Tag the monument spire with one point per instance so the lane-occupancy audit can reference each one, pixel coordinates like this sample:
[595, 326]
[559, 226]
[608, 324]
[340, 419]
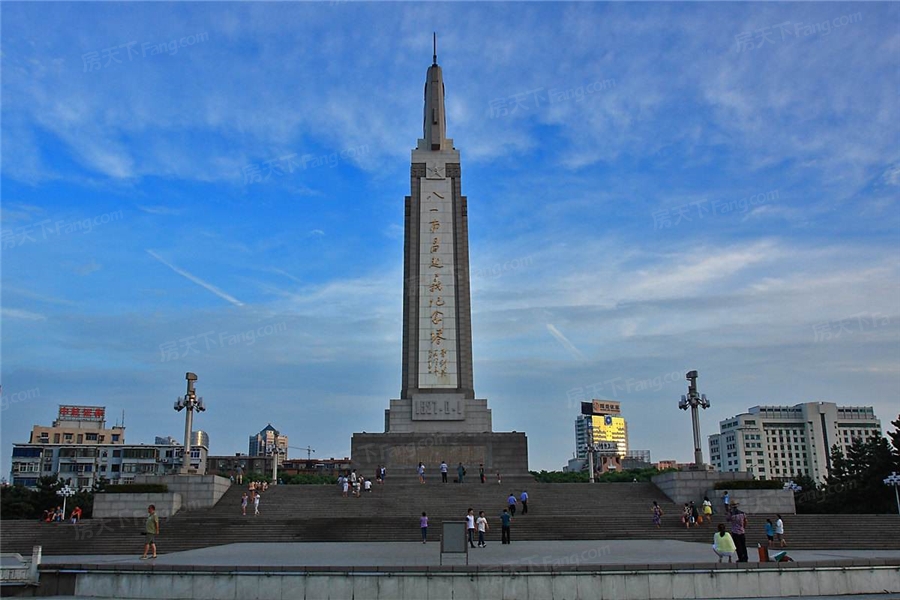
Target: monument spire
[435, 123]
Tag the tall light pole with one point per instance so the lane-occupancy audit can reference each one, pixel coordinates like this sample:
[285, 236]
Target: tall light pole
[275, 451]
[191, 402]
[693, 400]
[894, 480]
[66, 492]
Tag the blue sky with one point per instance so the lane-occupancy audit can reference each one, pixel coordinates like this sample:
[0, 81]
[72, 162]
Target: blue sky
[653, 188]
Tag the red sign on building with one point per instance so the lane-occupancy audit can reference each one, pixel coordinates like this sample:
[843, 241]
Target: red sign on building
[81, 413]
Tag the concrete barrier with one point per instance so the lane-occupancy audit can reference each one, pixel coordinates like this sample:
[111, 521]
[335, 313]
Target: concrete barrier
[135, 505]
[197, 491]
[637, 582]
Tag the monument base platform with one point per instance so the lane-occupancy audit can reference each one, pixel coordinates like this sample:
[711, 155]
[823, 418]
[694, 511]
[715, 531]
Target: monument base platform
[401, 453]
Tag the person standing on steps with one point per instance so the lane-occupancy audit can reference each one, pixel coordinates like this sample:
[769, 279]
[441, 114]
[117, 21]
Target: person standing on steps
[239, 475]
[423, 523]
[461, 472]
[738, 521]
[244, 504]
[151, 530]
[707, 509]
[481, 472]
[511, 501]
[726, 500]
[444, 469]
[770, 533]
[470, 526]
[256, 503]
[482, 529]
[657, 514]
[420, 470]
[505, 521]
[523, 498]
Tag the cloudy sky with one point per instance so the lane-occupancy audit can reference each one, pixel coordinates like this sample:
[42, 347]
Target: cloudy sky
[653, 188]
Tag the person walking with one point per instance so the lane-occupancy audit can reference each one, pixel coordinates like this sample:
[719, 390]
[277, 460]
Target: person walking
[511, 501]
[151, 530]
[738, 521]
[470, 526]
[505, 521]
[383, 473]
[421, 472]
[770, 533]
[461, 472]
[444, 472]
[239, 475]
[256, 496]
[779, 531]
[707, 510]
[686, 515]
[723, 544]
[345, 486]
[481, 472]
[726, 500]
[423, 524]
[695, 514]
[657, 514]
[76, 515]
[482, 529]
[523, 498]
[244, 504]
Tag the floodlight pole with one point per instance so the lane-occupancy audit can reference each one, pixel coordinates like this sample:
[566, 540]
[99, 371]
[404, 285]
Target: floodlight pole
[694, 401]
[191, 403]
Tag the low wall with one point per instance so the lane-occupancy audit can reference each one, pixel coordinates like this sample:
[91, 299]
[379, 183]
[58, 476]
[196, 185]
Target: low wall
[197, 491]
[684, 486]
[135, 505]
[776, 502]
[639, 582]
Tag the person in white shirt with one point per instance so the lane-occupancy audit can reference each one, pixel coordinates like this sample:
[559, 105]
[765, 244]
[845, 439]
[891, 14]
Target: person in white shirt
[368, 485]
[779, 531]
[482, 529]
[470, 526]
[444, 472]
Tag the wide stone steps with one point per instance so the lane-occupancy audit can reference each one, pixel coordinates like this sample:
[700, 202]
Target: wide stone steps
[391, 513]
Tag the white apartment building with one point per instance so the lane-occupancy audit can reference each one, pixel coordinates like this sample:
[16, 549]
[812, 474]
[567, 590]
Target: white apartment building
[777, 442]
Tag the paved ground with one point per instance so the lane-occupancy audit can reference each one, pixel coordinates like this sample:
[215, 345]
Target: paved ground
[375, 554]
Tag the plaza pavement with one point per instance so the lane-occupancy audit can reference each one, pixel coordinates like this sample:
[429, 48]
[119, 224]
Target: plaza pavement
[399, 554]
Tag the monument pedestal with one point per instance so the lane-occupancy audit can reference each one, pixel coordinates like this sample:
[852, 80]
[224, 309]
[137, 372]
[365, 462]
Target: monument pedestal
[401, 453]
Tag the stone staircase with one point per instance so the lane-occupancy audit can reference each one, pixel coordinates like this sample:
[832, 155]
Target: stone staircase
[391, 513]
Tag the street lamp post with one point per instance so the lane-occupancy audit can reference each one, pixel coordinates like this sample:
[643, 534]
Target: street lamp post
[66, 492]
[191, 402]
[694, 400]
[275, 451]
[894, 480]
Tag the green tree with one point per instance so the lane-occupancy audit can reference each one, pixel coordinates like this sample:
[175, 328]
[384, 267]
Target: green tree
[17, 502]
[895, 442]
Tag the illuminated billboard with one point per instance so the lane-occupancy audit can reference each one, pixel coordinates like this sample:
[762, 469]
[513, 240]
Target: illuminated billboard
[608, 428]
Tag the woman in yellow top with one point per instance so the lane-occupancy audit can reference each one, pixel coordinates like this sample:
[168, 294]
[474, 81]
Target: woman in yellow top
[723, 545]
[707, 509]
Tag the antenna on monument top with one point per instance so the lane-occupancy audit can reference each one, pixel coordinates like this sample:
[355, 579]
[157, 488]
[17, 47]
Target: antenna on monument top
[434, 57]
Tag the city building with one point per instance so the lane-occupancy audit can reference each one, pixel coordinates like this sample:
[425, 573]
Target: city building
[603, 419]
[201, 438]
[778, 442]
[637, 459]
[262, 443]
[85, 451]
[78, 425]
[226, 466]
[166, 441]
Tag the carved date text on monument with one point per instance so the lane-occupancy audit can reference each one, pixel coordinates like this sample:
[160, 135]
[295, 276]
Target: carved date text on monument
[438, 410]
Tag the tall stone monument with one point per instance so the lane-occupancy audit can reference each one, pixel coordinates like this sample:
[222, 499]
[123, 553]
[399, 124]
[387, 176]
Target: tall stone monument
[437, 416]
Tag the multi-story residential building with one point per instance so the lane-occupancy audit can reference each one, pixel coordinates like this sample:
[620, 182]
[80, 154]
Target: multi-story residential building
[262, 443]
[778, 442]
[83, 460]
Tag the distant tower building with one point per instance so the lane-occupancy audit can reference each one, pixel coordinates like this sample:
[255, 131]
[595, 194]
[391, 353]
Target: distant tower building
[606, 422]
[267, 438]
[200, 438]
[778, 442]
[166, 441]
